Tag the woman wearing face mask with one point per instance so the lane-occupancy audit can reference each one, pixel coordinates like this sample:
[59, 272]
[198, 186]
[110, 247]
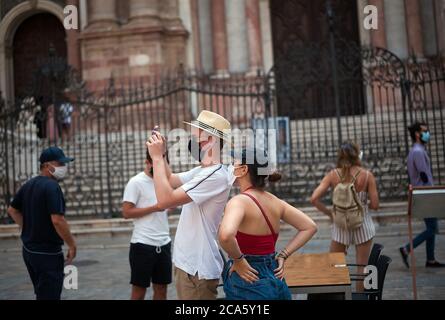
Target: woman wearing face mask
[349, 170]
[250, 229]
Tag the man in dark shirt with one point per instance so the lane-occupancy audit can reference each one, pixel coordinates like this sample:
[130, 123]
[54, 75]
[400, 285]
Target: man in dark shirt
[39, 209]
[420, 174]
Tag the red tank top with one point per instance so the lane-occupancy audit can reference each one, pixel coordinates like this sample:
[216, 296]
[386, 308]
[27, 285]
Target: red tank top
[257, 245]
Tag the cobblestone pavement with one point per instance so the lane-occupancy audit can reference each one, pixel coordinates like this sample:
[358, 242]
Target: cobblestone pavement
[104, 270]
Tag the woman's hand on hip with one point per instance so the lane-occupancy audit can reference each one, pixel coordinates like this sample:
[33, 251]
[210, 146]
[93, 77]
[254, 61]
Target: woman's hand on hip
[279, 271]
[244, 270]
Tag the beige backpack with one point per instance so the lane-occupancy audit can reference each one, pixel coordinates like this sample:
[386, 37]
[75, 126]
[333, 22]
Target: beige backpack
[348, 209]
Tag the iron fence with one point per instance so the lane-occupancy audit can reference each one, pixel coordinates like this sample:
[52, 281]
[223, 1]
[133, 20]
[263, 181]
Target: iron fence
[107, 130]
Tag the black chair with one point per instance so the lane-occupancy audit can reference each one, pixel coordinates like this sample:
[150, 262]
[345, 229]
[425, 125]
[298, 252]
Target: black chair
[375, 294]
[372, 261]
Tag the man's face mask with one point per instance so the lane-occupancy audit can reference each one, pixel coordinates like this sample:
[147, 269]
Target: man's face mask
[59, 172]
[196, 150]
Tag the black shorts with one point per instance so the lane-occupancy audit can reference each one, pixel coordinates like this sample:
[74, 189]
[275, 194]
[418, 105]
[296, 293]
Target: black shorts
[150, 264]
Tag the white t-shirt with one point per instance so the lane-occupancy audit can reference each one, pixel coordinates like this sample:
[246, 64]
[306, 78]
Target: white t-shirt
[196, 248]
[152, 229]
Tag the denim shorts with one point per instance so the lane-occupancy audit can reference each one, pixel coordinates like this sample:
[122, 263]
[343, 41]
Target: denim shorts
[268, 287]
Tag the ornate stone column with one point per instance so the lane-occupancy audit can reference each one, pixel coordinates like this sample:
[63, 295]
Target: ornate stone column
[170, 15]
[439, 11]
[254, 35]
[219, 37]
[378, 37]
[72, 39]
[144, 13]
[237, 44]
[266, 34]
[395, 25]
[414, 28]
[102, 15]
[194, 9]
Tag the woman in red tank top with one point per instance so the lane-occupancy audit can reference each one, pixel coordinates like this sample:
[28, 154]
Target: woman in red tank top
[249, 232]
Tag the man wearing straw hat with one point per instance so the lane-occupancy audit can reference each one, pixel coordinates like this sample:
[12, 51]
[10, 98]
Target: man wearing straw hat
[203, 193]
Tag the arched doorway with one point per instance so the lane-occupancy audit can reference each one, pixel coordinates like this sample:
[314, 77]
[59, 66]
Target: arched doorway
[31, 44]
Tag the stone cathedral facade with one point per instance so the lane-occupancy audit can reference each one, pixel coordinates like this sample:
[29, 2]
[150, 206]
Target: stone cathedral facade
[138, 38]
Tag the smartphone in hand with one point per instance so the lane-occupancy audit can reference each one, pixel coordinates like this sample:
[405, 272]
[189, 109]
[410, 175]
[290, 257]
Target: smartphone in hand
[155, 130]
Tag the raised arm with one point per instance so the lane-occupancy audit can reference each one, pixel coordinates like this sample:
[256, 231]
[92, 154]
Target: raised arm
[173, 179]
[168, 197]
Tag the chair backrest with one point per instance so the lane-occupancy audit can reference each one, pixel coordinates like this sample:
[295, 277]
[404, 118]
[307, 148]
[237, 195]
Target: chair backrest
[375, 254]
[382, 266]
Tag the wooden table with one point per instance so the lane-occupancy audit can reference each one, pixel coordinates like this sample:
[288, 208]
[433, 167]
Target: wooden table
[317, 273]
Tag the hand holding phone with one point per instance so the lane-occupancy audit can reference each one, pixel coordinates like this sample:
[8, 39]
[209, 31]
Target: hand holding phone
[155, 130]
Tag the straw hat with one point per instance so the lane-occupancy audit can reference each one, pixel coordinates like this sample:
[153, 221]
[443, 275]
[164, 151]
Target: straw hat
[212, 123]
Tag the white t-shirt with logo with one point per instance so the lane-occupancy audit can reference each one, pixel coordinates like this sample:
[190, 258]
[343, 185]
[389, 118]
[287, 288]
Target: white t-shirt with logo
[196, 248]
[152, 229]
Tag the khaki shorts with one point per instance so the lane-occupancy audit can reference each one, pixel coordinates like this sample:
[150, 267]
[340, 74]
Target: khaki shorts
[189, 287]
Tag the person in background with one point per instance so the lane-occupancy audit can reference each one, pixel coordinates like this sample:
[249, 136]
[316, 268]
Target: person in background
[150, 247]
[65, 111]
[249, 232]
[349, 170]
[420, 174]
[40, 118]
[39, 208]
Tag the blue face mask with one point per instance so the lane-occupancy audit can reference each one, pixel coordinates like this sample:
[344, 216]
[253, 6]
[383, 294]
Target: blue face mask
[425, 137]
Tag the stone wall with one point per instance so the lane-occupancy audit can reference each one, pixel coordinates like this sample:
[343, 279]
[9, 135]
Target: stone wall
[153, 38]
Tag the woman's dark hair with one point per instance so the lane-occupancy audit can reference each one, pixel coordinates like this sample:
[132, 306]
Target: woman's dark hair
[416, 127]
[249, 157]
[348, 156]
